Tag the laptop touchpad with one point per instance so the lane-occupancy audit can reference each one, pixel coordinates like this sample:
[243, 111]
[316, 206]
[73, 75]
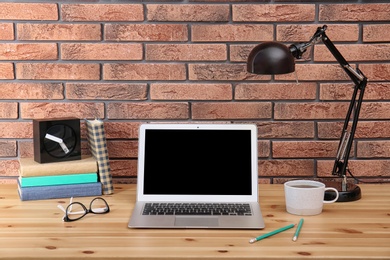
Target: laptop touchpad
[196, 222]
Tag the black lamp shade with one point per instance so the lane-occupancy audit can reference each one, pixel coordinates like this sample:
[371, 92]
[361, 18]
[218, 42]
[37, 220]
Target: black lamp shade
[270, 58]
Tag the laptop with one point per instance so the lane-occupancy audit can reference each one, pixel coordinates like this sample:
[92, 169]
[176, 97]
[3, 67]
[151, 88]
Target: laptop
[197, 176]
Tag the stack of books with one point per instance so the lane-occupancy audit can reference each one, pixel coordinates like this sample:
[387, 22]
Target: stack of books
[76, 178]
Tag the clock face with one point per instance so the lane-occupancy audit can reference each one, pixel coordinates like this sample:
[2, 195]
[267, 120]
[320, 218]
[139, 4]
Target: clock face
[56, 140]
[60, 140]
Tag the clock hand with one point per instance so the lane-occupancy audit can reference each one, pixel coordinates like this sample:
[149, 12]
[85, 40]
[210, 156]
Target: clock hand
[57, 140]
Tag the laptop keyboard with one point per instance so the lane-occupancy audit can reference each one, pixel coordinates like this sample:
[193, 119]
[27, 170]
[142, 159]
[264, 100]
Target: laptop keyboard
[236, 209]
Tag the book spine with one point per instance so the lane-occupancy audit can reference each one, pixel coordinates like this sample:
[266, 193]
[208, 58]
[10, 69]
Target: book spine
[98, 145]
[58, 179]
[29, 168]
[59, 191]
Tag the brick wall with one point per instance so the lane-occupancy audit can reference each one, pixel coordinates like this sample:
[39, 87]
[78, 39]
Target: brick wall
[129, 62]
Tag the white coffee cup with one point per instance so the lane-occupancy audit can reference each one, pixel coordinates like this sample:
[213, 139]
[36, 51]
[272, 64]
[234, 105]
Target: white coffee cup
[306, 197]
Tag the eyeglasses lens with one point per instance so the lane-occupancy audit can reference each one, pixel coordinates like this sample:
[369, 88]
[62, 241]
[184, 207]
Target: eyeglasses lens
[76, 211]
[99, 206]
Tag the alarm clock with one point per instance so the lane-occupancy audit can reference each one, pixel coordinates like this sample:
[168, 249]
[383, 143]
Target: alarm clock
[56, 140]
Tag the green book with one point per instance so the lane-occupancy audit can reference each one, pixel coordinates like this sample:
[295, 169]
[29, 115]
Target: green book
[58, 179]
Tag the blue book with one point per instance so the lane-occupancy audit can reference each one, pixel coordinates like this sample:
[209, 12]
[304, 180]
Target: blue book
[60, 191]
[58, 179]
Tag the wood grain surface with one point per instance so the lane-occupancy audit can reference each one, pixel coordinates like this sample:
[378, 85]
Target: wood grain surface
[352, 230]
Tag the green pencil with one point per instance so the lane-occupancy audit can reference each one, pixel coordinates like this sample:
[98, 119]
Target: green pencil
[295, 237]
[271, 233]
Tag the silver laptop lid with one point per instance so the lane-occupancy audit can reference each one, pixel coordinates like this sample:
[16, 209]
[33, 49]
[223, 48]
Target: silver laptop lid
[197, 162]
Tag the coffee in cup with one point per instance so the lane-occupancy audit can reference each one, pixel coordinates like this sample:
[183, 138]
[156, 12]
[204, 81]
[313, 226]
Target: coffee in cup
[306, 197]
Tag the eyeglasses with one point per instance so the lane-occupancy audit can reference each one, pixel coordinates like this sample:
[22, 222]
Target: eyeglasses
[76, 210]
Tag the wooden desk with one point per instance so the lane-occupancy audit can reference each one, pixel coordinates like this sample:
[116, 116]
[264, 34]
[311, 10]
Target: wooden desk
[353, 230]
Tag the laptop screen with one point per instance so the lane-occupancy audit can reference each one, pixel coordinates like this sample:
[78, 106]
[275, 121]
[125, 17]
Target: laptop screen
[203, 160]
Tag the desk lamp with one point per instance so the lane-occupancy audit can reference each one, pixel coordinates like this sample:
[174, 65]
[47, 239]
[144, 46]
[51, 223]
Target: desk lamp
[276, 58]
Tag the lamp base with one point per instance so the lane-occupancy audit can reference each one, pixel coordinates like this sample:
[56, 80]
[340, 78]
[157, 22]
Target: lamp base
[352, 193]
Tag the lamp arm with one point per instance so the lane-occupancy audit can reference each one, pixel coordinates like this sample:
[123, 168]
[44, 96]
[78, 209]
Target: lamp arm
[348, 133]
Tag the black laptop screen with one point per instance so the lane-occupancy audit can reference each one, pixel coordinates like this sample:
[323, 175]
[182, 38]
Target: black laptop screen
[197, 162]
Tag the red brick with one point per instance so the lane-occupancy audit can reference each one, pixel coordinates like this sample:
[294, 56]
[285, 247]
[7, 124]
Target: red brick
[109, 91]
[359, 168]
[186, 52]
[355, 52]
[286, 168]
[8, 110]
[28, 11]
[16, 130]
[232, 110]
[304, 149]
[373, 149]
[146, 32]
[157, 71]
[8, 180]
[148, 110]
[8, 148]
[354, 12]
[373, 91]
[330, 130]
[261, 180]
[375, 110]
[336, 91]
[28, 51]
[25, 149]
[58, 71]
[59, 32]
[231, 33]
[187, 12]
[275, 91]
[376, 72]
[273, 13]
[102, 12]
[369, 168]
[222, 72]
[121, 130]
[6, 31]
[6, 71]
[172, 91]
[263, 148]
[315, 72]
[374, 33]
[240, 53]
[304, 32]
[370, 129]
[190, 58]
[311, 111]
[101, 51]
[125, 179]
[286, 129]
[325, 167]
[365, 129]
[16, 90]
[373, 129]
[123, 168]
[9, 168]
[122, 149]
[56, 110]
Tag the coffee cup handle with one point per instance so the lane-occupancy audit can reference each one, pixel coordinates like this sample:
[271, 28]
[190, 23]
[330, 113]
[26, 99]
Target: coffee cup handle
[337, 195]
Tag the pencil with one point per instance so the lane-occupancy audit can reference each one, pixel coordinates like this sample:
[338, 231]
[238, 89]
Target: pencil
[295, 237]
[271, 233]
